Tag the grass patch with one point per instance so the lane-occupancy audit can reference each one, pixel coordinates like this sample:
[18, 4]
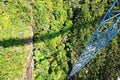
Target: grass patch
[14, 39]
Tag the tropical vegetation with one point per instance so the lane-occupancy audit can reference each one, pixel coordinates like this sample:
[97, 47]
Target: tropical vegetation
[61, 30]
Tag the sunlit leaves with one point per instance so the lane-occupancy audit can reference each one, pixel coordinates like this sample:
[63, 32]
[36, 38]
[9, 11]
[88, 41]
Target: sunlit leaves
[14, 19]
[61, 30]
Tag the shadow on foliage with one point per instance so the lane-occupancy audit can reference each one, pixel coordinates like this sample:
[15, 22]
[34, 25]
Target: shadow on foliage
[19, 42]
[48, 36]
[15, 42]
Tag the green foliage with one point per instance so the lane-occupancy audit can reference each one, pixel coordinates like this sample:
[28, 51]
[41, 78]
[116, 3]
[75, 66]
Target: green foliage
[48, 46]
[63, 34]
[14, 27]
[101, 67]
[61, 30]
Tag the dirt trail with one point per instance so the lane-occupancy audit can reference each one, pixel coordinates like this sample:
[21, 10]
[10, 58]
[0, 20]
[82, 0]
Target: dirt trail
[28, 75]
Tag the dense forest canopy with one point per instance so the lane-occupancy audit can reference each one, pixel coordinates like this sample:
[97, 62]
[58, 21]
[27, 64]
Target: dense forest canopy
[61, 30]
